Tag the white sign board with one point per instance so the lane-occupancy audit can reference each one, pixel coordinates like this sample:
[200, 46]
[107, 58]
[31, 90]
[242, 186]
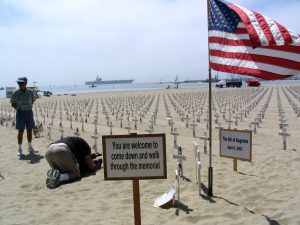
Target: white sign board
[236, 144]
[128, 157]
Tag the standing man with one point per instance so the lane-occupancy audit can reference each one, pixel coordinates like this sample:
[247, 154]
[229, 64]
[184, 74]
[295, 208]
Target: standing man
[69, 158]
[22, 101]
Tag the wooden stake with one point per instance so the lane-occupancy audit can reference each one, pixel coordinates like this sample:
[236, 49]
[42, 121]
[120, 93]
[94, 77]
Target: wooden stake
[235, 165]
[136, 201]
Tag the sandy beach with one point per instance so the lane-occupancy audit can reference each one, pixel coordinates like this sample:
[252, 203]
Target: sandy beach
[262, 192]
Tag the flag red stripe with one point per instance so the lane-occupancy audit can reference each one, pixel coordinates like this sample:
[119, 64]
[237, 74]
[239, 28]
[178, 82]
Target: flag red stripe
[251, 30]
[249, 72]
[265, 27]
[258, 58]
[247, 43]
[285, 48]
[285, 34]
[240, 30]
[230, 42]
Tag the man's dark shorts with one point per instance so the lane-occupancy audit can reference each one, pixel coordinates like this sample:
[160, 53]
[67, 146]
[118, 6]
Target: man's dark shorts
[24, 119]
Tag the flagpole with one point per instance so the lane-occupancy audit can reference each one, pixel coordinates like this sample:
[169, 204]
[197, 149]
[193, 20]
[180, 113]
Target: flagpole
[210, 168]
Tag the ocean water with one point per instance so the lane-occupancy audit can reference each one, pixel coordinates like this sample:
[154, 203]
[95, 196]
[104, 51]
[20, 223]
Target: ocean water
[119, 87]
[72, 89]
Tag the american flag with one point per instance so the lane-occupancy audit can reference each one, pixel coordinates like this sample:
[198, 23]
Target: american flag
[245, 42]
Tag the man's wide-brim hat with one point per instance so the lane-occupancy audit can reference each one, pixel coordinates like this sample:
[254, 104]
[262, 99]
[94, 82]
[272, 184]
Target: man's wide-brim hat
[22, 80]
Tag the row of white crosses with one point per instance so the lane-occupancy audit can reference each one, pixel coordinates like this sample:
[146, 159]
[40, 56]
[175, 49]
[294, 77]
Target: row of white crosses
[262, 111]
[179, 156]
[71, 106]
[292, 100]
[129, 107]
[235, 105]
[239, 109]
[74, 111]
[228, 107]
[258, 118]
[251, 106]
[181, 105]
[188, 106]
[7, 117]
[170, 119]
[151, 121]
[232, 111]
[282, 120]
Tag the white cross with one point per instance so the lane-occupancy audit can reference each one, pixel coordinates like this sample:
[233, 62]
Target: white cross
[175, 134]
[128, 127]
[110, 126]
[95, 137]
[82, 122]
[217, 118]
[204, 138]
[77, 132]
[71, 122]
[61, 130]
[284, 135]
[255, 123]
[150, 130]
[198, 166]
[236, 120]
[135, 122]
[49, 131]
[229, 121]
[96, 123]
[193, 125]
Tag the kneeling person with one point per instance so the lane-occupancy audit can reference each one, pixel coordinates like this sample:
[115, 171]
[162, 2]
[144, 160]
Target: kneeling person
[68, 158]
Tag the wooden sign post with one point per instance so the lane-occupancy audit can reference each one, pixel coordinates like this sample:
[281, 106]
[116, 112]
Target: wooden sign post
[134, 157]
[236, 144]
[136, 201]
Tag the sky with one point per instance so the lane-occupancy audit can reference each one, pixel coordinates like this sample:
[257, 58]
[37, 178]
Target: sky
[68, 42]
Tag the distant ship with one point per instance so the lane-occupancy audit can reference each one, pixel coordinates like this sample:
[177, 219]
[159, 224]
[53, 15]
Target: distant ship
[100, 81]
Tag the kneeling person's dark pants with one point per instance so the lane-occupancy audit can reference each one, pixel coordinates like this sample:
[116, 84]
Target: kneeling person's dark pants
[60, 157]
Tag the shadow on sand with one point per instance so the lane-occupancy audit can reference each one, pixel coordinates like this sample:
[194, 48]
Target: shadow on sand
[211, 200]
[32, 158]
[179, 206]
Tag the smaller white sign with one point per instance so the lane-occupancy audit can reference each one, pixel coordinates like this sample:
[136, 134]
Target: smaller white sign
[236, 144]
